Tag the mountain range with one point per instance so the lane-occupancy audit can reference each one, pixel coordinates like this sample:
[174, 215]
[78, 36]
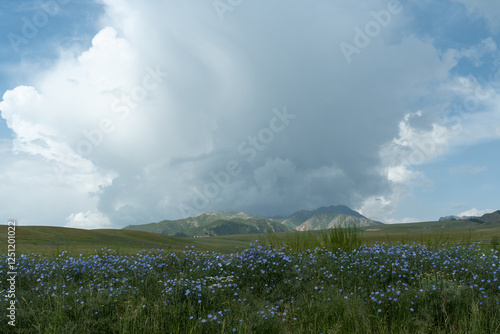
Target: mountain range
[232, 222]
[492, 217]
[455, 218]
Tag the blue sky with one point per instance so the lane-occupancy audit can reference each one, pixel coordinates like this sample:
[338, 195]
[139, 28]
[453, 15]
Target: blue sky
[69, 24]
[118, 112]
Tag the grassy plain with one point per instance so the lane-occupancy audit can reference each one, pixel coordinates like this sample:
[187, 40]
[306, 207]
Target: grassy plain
[436, 277]
[53, 240]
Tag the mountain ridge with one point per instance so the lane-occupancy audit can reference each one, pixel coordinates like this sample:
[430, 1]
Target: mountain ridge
[238, 222]
[453, 217]
[328, 220]
[491, 217]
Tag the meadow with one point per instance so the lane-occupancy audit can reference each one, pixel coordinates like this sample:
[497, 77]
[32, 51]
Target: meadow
[326, 282]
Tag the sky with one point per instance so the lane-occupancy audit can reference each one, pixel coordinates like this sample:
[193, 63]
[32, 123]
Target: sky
[118, 112]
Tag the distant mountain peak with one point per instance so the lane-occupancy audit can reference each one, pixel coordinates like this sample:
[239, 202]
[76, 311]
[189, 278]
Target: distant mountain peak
[238, 222]
[488, 217]
[327, 217]
[342, 209]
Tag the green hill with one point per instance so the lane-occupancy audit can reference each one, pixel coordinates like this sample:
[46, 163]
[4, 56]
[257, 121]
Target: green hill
[493, 217]
[41, 238]
[235, 226]
[53, 240]
[213, 224]
[233, 222]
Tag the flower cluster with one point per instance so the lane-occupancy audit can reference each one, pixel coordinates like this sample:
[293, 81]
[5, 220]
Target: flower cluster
[259, 284]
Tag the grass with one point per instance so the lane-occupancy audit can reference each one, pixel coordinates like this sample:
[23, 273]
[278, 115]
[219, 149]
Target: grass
[53, 240]
[430, 280]
[370, 289]
[346, 239]
[49, 240]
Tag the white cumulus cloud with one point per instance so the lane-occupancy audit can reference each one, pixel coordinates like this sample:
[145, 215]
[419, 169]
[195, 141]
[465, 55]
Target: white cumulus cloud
[88, 220]
[132, 129]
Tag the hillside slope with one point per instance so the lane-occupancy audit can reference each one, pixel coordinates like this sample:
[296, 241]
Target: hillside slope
[234, 226]
[328, 220]
[213, 224]
[234, 222]
[493, 217]
[327, 217]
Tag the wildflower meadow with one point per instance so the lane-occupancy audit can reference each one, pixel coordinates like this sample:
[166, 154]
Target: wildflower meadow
[381, 288]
